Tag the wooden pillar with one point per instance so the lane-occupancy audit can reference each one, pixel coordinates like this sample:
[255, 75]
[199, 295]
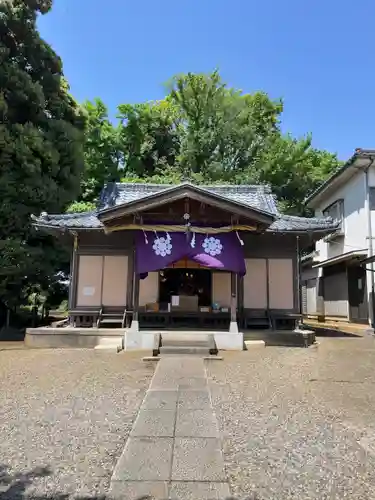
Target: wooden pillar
[73, 273]
[135, 296]
[135, 324]
[240, 294]
[233, 328]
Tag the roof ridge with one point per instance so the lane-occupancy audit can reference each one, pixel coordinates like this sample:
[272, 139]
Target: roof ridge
[260, 187]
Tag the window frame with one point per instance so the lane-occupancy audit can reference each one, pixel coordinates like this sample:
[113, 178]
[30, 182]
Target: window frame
[372, 198]
[340, 216]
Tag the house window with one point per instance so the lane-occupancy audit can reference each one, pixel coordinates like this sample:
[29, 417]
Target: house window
[336, 211]
[372, 198]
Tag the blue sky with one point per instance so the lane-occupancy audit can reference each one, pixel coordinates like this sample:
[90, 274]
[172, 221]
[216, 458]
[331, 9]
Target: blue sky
[317, 55]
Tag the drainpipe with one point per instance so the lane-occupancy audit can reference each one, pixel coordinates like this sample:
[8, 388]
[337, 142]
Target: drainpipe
[370, 244]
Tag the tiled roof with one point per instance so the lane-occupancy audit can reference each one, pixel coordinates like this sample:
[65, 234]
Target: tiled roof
[285, 223]
[282, 224]
[258, 197]
[79, 220]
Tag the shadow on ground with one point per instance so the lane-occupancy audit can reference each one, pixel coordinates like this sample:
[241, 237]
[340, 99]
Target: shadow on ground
[14, 486]
[324, 332]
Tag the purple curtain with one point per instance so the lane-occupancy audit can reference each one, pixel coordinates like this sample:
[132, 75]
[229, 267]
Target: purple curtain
[217, 251]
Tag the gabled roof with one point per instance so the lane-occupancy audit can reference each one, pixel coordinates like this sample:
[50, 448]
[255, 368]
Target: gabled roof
[361, 159]
[257, 198]
[250, 196]
[254, 203]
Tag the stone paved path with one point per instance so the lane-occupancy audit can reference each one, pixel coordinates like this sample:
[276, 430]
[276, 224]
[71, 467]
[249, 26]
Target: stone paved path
[173, 450]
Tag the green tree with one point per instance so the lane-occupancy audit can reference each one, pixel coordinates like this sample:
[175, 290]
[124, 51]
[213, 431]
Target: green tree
[224, 130]
[205, 132]
[41, 133]
[150, 135]
[102, 154]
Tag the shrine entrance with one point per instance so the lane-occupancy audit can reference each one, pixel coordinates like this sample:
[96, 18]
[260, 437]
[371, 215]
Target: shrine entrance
[195, 283]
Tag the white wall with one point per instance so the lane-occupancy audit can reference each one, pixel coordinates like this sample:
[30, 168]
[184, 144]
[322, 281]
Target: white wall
[354, 195]
[221, 288]
[90, 275]
[115, 280]
[149, 289]
[372, 184]
[255, 284]
[281, 290]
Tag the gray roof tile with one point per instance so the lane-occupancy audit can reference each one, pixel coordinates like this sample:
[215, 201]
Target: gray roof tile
[258, 197]
[282, 224]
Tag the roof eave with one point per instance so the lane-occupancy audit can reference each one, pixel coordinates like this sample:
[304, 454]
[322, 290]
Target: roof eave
[62, 229]
[366, 154]
[317, 232]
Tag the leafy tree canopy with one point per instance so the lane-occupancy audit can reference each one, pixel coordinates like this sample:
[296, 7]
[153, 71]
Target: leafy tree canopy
[206, 132]
[41, 132]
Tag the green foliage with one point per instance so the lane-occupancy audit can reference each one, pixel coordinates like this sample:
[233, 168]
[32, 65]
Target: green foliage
[41, 132]
[205, 132]
[102, 152]
[149, 136]
[224, 130]
[81, 206]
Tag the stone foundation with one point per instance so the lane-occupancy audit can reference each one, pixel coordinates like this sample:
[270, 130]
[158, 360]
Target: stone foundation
[89, 338]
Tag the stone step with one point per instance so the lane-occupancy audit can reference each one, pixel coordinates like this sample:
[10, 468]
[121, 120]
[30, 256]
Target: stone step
[109, 343]
[201, 351]
[184, 343]
[111, 320]
[188, 336]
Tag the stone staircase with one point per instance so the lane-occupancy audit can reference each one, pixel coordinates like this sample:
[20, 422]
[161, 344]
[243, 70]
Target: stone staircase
[186, 344]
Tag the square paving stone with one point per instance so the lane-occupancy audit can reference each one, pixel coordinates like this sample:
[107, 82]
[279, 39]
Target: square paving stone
[196, 423]
[198, 459]
[145, 459]
[160, 400]
[164, 382]
[195, 399]
[192, 383]
[158, 423]
[194, 490]
[134, 490]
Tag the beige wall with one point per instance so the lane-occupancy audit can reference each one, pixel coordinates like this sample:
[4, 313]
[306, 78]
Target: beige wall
[255, 284]
[221, 288]
[149, 289]
[102, 280]
[89, 286]
[281, 283]
[115, 280]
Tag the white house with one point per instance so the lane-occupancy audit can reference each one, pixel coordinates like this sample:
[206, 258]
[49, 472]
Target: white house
[338, 278]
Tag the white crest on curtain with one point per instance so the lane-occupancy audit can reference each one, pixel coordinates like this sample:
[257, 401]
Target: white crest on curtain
[162, 246]
[212, 246]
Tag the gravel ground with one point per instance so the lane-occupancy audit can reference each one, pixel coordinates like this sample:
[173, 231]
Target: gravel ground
[298, 423]
[65, 416]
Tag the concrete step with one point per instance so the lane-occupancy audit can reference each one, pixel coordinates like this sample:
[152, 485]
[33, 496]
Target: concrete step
[184, 343]
[254, 344]
[110, 322]
[201, 351]
[108, 348]
[109, 343]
